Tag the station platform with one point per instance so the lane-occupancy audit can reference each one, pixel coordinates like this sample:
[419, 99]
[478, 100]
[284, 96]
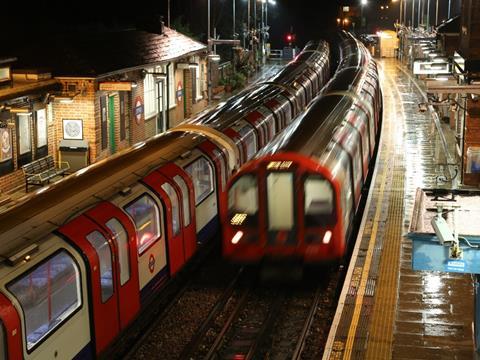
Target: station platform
[386, 310]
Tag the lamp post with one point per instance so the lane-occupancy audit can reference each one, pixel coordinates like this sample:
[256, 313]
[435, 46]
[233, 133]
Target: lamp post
[428, 14]
[209, 57]
[419, 11]
[168, 14]
[436, 14]
[362, 20]
[248, 23]
[400, 20]
[233, 9]
[449, 8]
[413, 14]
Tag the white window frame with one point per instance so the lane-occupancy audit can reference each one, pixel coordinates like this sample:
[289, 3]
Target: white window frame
[31, 346]
[172, 97]
[198, 80]
[150, 92]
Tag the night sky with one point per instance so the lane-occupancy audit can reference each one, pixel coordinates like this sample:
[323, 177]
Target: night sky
[307, 18]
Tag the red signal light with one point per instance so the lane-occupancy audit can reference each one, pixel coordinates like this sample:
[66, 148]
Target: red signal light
[289, 37]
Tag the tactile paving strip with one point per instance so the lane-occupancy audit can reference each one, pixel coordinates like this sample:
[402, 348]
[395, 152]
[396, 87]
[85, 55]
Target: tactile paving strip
[369, 325]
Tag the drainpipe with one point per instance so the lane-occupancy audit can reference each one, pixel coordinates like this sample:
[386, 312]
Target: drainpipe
[167, 120]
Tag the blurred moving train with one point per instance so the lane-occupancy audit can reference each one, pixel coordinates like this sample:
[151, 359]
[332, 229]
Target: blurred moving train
[297, 199]
[81, 258]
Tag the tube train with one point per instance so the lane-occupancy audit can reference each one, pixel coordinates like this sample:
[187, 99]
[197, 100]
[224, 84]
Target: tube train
[81, 258]
[297, 199]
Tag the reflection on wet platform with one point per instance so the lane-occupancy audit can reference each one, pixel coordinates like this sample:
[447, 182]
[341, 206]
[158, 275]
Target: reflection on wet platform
[387, 310]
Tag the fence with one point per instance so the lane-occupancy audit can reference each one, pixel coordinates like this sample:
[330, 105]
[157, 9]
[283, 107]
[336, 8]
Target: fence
[276, 54]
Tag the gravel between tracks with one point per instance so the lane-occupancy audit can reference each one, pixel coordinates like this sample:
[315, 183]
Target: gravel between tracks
[170, 335]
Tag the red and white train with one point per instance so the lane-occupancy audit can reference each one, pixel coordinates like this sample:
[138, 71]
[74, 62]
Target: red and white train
[81, 258]
[297, 199]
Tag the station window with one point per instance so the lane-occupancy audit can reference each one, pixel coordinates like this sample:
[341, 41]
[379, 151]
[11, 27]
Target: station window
[146, 217]
[3, 342]
[201, 172]
[243, 201]
[172, 195]
[185, 199]
[318, 201]
[24, 139]
[48, 295]
[121, 240]
[102, 248]
[280, 201]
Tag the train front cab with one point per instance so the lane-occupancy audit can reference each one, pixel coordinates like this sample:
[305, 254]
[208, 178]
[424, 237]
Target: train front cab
[44, 305]
[282, 209]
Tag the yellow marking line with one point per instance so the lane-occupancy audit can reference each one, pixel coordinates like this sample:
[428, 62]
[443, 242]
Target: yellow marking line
[333, 347]
[368, 259]
[380, 340]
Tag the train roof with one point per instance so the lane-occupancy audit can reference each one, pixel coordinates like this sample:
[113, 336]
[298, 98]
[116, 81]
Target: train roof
[313, 130]
[98, 181]
[236, 108]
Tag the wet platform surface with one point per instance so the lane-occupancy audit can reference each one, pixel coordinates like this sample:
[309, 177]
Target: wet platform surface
[386, 310]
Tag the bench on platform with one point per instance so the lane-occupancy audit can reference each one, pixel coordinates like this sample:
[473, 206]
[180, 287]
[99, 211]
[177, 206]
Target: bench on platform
[41, 171]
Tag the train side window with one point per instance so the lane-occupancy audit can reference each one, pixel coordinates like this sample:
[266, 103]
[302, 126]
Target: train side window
[271, 127]
[248, 136]
[201, 172]
[102, 248]
[243, 201]
[185, 199]
[121, 239]
[175, 210]
[280, 201]
[3, 342]
[318, 201]
[146, 217]
[48, 294]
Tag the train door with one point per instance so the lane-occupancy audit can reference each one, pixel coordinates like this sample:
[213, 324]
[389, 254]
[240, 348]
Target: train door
[203, 170]
[10, 331]
[143, 207]
[171, 200]
[122, 233]
[97, 248]
[184, 186]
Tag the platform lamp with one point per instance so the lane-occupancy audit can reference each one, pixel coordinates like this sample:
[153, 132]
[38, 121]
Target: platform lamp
[362, 19]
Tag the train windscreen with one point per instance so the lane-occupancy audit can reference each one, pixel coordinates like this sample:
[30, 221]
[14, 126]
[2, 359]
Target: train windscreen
[319, 204]
[280, 201]
[243, 201]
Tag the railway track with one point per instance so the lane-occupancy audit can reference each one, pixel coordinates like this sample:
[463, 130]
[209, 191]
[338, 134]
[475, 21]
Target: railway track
[253, 320]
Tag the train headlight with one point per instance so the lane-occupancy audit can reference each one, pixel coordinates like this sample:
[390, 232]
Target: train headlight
[236, 238]
[327, 237]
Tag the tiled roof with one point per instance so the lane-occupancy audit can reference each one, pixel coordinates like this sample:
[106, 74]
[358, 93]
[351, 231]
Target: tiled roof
[7, 60]
[98, 53]
[26, 88]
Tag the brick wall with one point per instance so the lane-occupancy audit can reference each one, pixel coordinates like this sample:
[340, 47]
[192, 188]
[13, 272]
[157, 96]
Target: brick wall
[177, 113]
[82, 107]
[188, 93]
[137, 125]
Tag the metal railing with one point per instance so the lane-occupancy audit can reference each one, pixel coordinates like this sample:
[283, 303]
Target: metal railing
[225, 69]
[276, 54]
